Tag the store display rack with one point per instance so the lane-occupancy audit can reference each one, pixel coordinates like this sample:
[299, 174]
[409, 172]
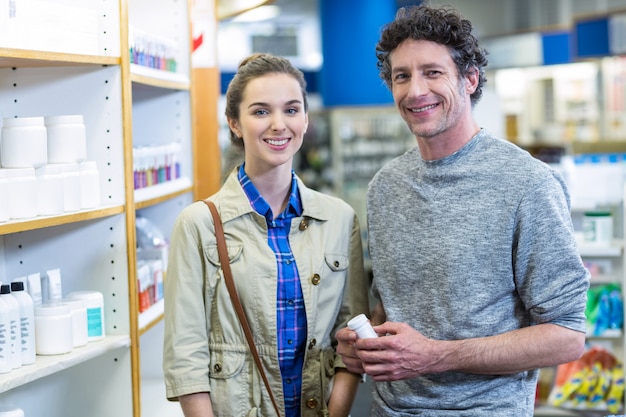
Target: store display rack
[62, 57]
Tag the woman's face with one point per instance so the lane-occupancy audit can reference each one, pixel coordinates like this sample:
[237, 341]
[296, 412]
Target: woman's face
[272, 122]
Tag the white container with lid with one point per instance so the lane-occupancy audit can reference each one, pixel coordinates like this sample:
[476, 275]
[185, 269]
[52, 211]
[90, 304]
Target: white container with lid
[94, 302]
[89, 185]
[5, 207]
[27, 318]
[79, 320]
[67, 141]
[5, 338]
[361, 325]
[15, 325]
[53, 329]
[598, 228]
[24, 142]
[50, 199]
[71, 186]
[22, 195]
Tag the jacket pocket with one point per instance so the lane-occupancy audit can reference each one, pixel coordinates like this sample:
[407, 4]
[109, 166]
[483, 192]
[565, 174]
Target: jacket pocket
[337, 261]
[229, 380]
[234, 253]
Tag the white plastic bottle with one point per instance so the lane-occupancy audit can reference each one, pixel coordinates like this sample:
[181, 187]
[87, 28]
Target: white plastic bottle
[361, 325]
[27, 319]
[14, 326]
[5, 338]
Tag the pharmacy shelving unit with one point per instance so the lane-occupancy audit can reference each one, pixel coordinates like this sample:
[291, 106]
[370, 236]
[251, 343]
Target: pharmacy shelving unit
[610, 262]
[44, 72]
[362, 140]
[72, 57]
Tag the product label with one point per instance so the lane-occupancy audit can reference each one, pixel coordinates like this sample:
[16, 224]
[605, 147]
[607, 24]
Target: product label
[25, 325]
[94, 322]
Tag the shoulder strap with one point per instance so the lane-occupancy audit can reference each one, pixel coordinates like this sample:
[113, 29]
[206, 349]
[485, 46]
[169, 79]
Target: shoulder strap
[230, 284]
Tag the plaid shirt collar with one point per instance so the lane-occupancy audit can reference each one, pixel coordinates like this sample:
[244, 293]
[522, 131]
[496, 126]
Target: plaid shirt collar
[294, 205]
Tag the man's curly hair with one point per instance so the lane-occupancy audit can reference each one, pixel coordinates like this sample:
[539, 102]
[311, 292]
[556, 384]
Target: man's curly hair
[444, 26]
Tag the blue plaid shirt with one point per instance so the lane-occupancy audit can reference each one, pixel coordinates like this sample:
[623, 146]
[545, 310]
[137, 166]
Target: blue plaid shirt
[290, 312]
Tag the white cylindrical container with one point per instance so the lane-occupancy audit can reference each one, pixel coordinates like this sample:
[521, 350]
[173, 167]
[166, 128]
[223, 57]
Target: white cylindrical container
[79, 320]
[71, 186]
[5, 207]
[94, 302]
[5, 338]
[50, 188]
[598, 228]
[361, 325]
[14, 325]
[89, 185]
[67, 141]
[24, 142]
[27, 318]
[53, 329]
[11, 412]
[22, 192]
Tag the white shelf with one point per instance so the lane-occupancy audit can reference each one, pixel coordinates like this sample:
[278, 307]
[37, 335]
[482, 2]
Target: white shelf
[48, 365]
[147, 75]
[161, 190]
[151, 315]
[614, 250]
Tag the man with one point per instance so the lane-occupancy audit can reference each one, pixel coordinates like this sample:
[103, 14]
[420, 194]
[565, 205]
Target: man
[474, 258]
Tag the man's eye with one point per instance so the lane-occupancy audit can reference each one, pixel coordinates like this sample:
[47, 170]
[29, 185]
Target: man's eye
[400, 77]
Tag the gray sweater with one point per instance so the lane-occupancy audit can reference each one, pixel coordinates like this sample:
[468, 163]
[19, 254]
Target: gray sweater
[476, 244]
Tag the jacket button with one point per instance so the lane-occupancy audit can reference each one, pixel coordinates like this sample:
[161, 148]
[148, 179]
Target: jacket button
[336, 263]
[311, 403]
[312, 343]
[304, 224]
[217, 367]
[315, 280]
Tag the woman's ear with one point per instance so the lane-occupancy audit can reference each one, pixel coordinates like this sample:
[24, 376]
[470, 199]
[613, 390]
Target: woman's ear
[234, 126]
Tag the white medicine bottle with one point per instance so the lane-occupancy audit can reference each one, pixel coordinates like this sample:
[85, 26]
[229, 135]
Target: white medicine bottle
[5, 338]
[27, 320]
[361, 325]
[14, 326]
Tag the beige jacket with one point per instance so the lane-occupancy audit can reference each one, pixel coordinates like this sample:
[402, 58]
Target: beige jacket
[205, 349]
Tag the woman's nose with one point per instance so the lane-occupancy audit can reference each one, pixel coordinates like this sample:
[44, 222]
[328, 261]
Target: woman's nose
[278, 124]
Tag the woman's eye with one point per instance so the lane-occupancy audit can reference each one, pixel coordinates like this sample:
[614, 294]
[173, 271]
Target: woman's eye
[292, 111]
[261, 112]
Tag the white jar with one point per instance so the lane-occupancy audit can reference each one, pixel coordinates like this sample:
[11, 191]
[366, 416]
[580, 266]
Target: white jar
[89, 185]
[94, 302]
[67, 141]
[79, 320]
[53, 329]
[598, 228]
[24, 142]
[22, 195]
[71, 186]
[5, 207]
[50, 199]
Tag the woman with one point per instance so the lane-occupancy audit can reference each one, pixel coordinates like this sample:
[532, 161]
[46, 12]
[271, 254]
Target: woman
[296, 259]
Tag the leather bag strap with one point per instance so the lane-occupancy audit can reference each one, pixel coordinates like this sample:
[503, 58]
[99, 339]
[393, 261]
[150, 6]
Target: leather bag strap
[230, 284]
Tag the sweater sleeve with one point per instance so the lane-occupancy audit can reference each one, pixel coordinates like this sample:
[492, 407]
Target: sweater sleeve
[549, 273]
